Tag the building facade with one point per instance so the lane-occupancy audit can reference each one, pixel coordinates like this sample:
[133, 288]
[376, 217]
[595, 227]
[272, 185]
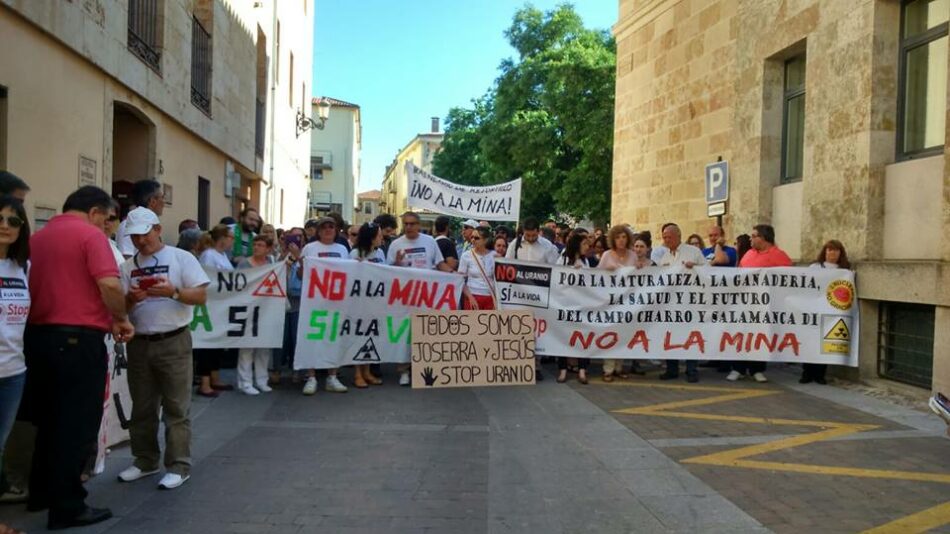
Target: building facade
[831, 116]
[420, 150]
[367, 206]
[335, 160]
[109, 92]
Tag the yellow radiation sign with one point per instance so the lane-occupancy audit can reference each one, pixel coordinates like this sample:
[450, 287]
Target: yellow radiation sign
[837, 336]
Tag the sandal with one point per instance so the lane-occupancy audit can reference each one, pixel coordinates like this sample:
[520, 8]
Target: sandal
[608, 378]
[582, 377]
[562, 377]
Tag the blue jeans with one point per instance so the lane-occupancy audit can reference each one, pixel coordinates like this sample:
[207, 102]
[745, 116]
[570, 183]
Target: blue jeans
[11, 389]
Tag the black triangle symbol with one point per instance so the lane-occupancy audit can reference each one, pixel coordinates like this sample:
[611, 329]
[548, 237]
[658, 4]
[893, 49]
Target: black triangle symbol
[367, 352]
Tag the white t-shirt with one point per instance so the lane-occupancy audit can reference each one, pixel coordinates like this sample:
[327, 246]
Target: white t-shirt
[684, 253]
[157, 315]
[541, 251]
[476, 281]
[422, 252]
[216, 260]
[119, 258]
[376, 256]
[15, 302]
[123, 240]
[825, 265]
[317, 249]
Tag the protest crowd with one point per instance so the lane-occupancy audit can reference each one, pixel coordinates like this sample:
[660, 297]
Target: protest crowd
[86, 276]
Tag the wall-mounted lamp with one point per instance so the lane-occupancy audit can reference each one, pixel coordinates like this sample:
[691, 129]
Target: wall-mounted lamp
[305, 123]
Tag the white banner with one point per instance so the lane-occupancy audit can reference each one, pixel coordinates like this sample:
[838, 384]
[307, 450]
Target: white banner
[117, 408]
[245, 309]
[499, 202]
[783, 314]
[358, 312]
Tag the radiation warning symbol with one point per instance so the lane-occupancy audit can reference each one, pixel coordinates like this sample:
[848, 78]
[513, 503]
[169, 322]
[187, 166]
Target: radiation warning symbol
[836, 337]
[367, 352]
[270, 287]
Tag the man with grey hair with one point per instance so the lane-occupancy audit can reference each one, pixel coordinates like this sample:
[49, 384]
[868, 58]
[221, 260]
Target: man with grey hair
[678, 253]
[146, 194]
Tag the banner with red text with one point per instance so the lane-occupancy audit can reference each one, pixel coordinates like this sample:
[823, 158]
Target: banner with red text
[358, 312]
[787, 314]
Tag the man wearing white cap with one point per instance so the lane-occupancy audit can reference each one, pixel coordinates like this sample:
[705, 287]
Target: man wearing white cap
[162, 286]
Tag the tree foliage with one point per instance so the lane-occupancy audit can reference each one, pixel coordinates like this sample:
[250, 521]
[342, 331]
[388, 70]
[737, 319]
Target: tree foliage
[547, 119]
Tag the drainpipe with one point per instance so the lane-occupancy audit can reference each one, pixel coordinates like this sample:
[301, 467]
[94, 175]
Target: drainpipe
[269, 194]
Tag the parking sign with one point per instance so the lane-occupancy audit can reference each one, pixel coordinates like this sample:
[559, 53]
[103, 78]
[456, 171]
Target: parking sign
[717, 182]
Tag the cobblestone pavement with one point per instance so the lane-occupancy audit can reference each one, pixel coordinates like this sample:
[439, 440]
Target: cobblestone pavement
[550, 458]
[796, 458]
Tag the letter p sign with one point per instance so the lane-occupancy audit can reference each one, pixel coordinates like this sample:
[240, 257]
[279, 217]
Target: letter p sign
[717, 182]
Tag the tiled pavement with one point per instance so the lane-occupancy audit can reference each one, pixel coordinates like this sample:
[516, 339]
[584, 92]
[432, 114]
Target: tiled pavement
[550, 458]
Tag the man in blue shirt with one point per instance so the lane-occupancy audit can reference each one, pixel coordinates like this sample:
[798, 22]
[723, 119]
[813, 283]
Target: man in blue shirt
[719, 254]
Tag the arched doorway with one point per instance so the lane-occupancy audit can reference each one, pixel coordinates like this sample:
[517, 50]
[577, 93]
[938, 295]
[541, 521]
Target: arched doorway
[133, 152]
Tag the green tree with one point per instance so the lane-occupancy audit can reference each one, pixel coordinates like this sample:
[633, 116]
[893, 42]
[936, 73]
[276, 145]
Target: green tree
[548, 119]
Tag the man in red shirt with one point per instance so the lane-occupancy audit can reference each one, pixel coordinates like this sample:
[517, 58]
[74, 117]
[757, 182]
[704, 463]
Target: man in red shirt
[77, 298]
[764, 253]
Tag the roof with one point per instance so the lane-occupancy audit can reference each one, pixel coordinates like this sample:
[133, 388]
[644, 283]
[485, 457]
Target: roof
[373, 194]
[334, 102]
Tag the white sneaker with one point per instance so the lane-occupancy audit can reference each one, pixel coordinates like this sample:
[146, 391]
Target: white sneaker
[733, 376]
[263, 387]
[172, 481]
[404, 379]
[311, 386]
[249, 390]
[760, 377]
[334, 385]
[131, 474]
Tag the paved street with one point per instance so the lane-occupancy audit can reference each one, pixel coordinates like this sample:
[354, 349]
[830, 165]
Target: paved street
[637, 455]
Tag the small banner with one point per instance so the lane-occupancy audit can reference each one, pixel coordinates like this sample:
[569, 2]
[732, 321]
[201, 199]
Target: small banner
[472, 348]
[786, 314]
[117, 405]
[358, 312]
[245, 309]
[500, 202]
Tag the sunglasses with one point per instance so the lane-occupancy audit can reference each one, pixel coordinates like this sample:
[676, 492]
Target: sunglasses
[353, 234]
[113, 218]
[12, 221]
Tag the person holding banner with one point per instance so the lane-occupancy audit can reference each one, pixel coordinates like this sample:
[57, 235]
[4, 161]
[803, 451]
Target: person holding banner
[369, 240]
[478, 267]
[620, 239]
[252, 363]
[163, 284]
[575, 255]
[675, 253]
[832, 256]
[325, 246]
[414, 249]
[763, 253]
[216, 242]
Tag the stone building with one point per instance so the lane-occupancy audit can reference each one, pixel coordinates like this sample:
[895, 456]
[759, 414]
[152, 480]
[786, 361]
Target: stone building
[421, 150]
[831, 115]
[201, 95]
[335, 159]
[367, 207]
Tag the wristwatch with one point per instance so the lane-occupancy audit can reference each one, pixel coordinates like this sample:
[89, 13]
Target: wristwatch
[176, 294]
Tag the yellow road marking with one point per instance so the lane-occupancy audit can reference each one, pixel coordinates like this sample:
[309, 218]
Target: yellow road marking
[923, 521]
[740, 457]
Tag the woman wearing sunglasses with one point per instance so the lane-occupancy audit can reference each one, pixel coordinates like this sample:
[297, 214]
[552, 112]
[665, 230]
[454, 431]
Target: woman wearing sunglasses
[15, 300]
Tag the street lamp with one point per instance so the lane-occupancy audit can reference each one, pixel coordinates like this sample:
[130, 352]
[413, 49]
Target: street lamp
[305, 123]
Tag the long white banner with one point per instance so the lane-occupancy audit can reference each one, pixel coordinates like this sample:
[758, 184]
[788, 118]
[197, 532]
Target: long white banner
[245, 309]
[709, 313]
[500, 202]
[358, 312]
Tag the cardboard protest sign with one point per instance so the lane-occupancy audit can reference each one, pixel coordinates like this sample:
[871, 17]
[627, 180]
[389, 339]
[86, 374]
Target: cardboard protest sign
[783, 314]
[358, 312]
[245, 309]
[472, 348]
[499, 202]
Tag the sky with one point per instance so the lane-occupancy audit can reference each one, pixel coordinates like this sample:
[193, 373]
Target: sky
[405, 61]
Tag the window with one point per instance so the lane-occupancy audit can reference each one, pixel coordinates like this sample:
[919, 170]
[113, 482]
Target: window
[3, 127]
[200, 66]
[204, 203]
[145, 31]
[368, 208]
[906, 343]
[922, 91]
[290, 86]
[793, 119]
